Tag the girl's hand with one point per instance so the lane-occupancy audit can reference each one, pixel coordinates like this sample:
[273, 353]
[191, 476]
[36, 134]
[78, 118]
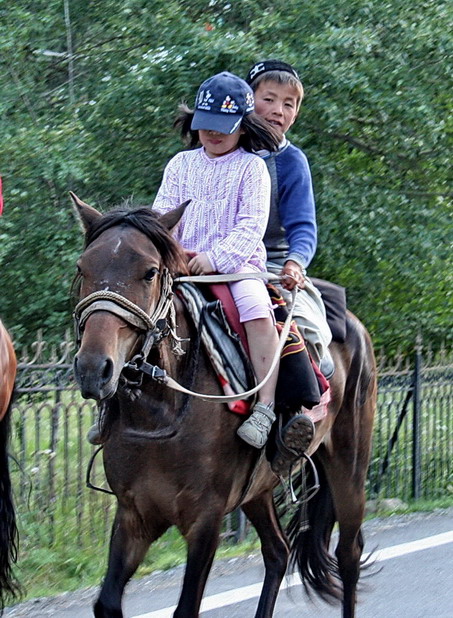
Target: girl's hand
[189, 254]
[200, 265]
[292, 275]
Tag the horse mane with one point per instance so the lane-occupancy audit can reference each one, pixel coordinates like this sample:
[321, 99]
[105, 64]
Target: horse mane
[146, 221]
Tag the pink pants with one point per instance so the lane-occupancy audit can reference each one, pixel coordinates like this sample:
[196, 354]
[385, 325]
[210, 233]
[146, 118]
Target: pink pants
[251, 298]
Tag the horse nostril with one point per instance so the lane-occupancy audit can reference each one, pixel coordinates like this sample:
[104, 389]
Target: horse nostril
[108, 371]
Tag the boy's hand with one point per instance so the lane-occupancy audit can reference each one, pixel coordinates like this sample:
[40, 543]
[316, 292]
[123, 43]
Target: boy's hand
[200, 265]
[292, 275]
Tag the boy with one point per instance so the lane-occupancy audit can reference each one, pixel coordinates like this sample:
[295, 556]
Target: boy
[291, 235]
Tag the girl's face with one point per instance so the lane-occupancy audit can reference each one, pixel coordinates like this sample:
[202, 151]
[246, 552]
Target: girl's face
[219, 144]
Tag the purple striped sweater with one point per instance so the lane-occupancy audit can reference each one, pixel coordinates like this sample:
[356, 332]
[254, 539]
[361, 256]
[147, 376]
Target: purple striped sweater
[228, 214]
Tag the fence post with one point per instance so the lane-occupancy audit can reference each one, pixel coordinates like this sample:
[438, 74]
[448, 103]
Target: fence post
[416, 419]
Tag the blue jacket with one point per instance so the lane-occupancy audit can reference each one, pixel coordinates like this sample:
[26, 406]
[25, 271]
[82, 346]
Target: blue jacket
[291, 232]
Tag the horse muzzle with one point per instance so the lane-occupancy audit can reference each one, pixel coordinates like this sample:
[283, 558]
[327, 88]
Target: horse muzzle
[106, 344]
[94, 375]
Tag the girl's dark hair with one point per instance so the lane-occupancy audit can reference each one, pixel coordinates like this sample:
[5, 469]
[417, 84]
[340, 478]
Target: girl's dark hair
[258, 134]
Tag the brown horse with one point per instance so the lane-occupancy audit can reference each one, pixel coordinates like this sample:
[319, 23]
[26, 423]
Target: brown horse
[8, 530]
[172, 459]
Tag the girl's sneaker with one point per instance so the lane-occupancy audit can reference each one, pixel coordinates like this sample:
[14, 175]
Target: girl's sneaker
[255, 430]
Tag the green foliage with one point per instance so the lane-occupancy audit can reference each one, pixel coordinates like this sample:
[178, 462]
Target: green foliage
[374, 126]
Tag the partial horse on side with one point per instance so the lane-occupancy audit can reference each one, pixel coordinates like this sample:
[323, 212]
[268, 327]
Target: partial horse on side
[8, 529]
[173, 459]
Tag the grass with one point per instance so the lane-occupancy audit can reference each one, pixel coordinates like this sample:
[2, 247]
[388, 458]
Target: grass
[413, 506]
[49, 571]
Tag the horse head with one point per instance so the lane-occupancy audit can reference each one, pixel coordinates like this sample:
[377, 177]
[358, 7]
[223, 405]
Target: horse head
[128, 254]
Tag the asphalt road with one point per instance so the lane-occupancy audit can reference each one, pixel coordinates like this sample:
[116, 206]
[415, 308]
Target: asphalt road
[412, 577]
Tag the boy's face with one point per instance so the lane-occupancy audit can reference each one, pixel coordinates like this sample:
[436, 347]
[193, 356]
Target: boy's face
[278, 104]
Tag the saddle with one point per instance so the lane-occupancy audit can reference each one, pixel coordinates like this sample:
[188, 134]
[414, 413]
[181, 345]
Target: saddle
[222, 344]
[299, 384]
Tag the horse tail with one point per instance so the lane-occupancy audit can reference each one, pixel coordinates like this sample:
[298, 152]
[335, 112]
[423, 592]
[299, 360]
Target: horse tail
[9, 538]
[309, 544]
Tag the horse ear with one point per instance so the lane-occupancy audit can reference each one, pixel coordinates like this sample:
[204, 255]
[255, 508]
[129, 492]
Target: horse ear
[86, 214]
[171, 219]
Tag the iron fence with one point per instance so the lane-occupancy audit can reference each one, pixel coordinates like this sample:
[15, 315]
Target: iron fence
[413, 446]
[411, 456]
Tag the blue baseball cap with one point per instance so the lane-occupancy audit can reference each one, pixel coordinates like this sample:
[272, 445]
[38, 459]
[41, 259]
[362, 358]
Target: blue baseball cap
[221, 103]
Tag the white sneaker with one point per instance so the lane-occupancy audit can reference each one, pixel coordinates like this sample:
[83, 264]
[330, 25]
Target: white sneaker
[255, 430]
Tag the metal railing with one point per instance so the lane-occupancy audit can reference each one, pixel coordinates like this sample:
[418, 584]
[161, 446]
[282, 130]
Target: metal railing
[411, 458]
[412, 443]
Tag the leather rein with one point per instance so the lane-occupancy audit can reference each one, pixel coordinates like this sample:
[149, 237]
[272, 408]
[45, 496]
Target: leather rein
[162, 323]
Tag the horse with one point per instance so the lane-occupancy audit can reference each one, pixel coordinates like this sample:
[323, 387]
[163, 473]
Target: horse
[8, 528]
[175, 460]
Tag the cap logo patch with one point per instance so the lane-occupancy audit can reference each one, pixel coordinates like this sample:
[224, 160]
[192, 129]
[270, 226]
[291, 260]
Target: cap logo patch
[229, 105]
[256, 69]
[205, 99]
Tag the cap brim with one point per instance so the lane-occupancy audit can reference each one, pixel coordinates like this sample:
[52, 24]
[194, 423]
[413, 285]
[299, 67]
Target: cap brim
[211, 121]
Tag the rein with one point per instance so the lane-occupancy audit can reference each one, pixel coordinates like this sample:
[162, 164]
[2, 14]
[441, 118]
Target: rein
[162, 323]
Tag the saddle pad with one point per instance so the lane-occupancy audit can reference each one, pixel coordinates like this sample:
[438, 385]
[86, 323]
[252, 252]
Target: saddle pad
[222, 345]
[222, 292]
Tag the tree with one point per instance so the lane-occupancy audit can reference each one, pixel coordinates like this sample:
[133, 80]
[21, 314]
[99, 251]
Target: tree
[98, 121]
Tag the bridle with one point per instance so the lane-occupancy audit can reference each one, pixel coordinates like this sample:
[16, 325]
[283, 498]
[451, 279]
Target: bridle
[157, 326]
[162, 323]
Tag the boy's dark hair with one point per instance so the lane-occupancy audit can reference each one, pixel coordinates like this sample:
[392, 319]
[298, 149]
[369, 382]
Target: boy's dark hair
[258, 134]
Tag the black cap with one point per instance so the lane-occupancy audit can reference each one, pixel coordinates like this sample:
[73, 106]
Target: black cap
[269, 65]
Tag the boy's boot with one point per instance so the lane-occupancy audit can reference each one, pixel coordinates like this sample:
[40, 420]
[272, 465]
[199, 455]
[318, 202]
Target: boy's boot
[94, 435]
[255, 430]
[292, 441]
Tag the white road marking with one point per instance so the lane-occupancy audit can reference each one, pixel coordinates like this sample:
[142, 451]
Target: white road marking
[245, 593]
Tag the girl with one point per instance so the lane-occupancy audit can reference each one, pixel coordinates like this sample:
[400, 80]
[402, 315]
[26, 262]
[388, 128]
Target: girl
[223, 226]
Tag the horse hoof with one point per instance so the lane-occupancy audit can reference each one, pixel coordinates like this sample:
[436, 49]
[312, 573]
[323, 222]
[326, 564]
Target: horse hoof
[292, 442]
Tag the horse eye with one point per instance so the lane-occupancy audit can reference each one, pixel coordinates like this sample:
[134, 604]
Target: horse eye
[150, 274]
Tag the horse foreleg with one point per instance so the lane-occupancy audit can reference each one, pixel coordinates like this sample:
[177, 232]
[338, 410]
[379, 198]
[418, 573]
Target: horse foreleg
[274, 548]
[128, 546]
[202, 540]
